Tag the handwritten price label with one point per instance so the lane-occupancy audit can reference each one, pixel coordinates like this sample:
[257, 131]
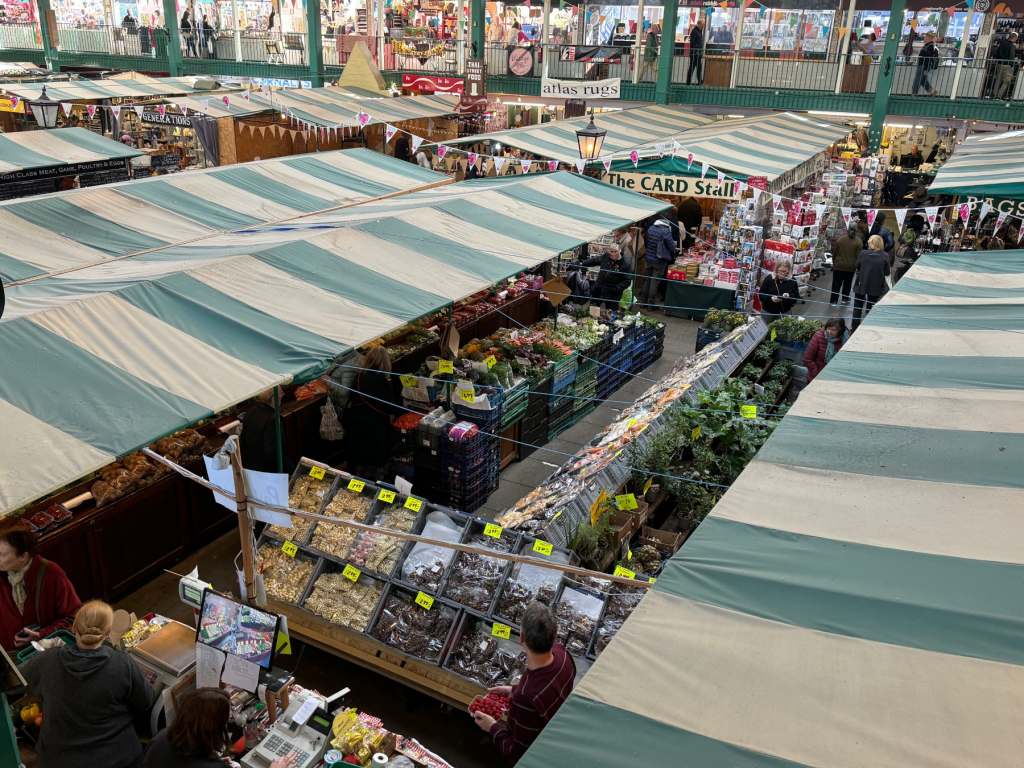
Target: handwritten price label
[407, 380]
[425, 601]
[748, 411]
[492, 530]
[317, 473]
[624, 573]
[351, 573]
[542, 547]
[651, 580]
[503, 631]
[356, 486]
[445, 366]
[414, 505]
[467, 395]
[388, 497]
[490, 361]
[626, 501]
[290, 548]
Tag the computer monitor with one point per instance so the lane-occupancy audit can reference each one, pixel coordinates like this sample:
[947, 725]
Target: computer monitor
[238, 629]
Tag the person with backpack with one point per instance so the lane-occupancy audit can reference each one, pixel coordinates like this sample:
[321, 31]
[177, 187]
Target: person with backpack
[927, 61]
[661, 249]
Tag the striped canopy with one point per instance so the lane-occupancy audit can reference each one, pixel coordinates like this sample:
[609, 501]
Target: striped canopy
[855, 598]
[331, 107]
[113, 354]
[91, 90]
[989, 164]
[213, 105]
[627, 129]
[24, 150]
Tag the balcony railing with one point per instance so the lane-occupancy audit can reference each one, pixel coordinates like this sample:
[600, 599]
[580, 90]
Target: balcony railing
[114, 41]
[21, 36]
[248, 46]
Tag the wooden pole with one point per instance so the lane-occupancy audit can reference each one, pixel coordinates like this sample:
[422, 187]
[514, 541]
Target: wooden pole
[245, 531]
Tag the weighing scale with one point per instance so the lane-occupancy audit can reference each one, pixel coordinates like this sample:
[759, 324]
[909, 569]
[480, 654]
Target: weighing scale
[166, 658]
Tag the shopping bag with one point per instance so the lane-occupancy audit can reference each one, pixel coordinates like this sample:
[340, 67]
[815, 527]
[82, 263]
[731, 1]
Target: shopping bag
[330, 425]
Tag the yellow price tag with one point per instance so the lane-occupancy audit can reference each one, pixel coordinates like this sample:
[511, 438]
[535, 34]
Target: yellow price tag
[317, 473]
[696, 433]
[629, 553]
[423, 600]
[647, 485]
[651, 580]
[413, 504]
[407, 380]
[597, 507]
[491, 361]
[632, 423]
[626, 501]
[774, 334]
[542, 547]
[748, 411]
[445, 366]
[388, 497]
[501, 630]
[624, 573]
[467, 395]
[493, 530]
[356, 486]
[351, 573]
[290, 548]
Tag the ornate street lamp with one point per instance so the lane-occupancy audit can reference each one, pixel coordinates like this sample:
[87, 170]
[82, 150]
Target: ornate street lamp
[44, 110]
[590, 139]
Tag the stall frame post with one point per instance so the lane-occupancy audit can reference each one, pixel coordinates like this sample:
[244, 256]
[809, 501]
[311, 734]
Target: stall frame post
[460, 36]
[476, 25]
[545, 35]
[245, 530]
[880, 108]
[238, 30]
[173, 38]
[963, 52]
[380, 33]
[50, 53]
[314, 44]
[844, 46]
[738, 45]
[638, 45]
[667, 52]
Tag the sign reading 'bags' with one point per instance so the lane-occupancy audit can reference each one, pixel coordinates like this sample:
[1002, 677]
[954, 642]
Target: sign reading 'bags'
[580, 89]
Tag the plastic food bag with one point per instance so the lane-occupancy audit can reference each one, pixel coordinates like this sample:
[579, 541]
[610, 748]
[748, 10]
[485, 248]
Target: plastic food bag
[426, 563]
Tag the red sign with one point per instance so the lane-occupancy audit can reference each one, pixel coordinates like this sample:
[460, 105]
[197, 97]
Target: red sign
[758, 182]
[432, 84]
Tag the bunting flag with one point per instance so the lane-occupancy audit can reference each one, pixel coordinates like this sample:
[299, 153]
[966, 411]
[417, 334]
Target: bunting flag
[245, 95]
[872, 213]
[901, 215]
[66, 107]
[363, 118]
[1000, 220]
[472, 157]
[499, 164]
[442, 150]
[757, 194]
[776, 201]
[819, 212]
[525, 165]
[607, 162]
[676, 146]
[90, 110]
[552, 165]
[206, 104]
[847, 213]
[703, 170]
[416, 141]
[689, 160]
[161, 109]
[635, 157]
[932, 212]
[985, 208]
[741, 188]
[116, 112]
[15, 101]
[580, 165]
[389, 133]
[721, 177]
[226, 100]
[965, 212]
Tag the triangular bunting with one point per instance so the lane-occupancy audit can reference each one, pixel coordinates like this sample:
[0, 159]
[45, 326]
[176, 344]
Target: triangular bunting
[389, 133]
[932, 212]
[901, 216]
[116, 112]
[90, 109]
[580, 165]
[1000, 220]
[703, 170]
[720, 176]
[66, 106]
[986, 207]
[689, 160]
[965, 212]
[847, 213]
[776, 201]
[499, 164]
[872, 213]
[525, 164]
[472, 157]
[552, 165]
[634, 156]
[416, 141]
[607, 163]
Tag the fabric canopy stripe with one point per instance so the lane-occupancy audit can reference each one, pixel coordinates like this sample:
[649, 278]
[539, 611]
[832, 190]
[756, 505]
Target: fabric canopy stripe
[852, 600]
[189, 328]
[627, 129]
[331, 107]
[984, 165]
[92, 90]
[25, 150]
[213, 105]
[95, 224]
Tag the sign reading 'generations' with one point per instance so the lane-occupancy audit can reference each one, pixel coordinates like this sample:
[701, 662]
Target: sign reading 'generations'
[580, 89]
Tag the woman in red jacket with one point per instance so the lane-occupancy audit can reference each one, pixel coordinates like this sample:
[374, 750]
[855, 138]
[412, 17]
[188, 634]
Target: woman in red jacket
[823, 345]
[36, 597]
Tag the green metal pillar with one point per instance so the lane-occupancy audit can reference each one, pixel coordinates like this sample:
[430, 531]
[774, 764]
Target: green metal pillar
[314, 43]
[887, 68]
[667, 51]
[173, 38]
[277, 429]
[49, 51]
[477, 27]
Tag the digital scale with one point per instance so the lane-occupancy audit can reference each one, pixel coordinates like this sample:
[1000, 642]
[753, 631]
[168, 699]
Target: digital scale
[305, 728]
[165, 658]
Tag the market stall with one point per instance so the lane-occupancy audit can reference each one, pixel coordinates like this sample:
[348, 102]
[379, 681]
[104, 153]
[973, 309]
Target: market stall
[135, 87]
[985, 165]
[896, 582]
[331, 107]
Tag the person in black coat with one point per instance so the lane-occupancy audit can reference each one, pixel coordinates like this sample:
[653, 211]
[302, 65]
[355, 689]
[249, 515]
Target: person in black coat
[660, 249]
[259, 437]
[696, 52]
[375, 399]
[779, 292]
[614, 277]
[869, 279]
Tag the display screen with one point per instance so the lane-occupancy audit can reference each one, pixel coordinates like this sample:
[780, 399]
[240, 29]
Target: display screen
[238, 629]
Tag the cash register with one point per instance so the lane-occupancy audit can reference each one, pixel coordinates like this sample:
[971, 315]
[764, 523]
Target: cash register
[304, 729]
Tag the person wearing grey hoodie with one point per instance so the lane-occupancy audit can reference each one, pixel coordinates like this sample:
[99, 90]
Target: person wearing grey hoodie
[91, 695]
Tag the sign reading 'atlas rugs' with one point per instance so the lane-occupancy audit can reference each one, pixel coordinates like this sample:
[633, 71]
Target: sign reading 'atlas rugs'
[580, 89]
[681, 186]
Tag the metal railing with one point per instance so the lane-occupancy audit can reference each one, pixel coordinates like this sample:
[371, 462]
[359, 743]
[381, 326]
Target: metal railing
[115, 41]
[253, 46]
[978, 79]
[21, 36]
[571, 62]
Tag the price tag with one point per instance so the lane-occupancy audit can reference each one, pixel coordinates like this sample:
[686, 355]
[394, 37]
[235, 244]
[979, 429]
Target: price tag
[317, 473]
[503, 631]
[651, 580]
[467, 395]
[647, 485]
[351, 573]
[356, 486]
[631, 423]
[290, 548]
[626, 501]
[408, 381]
[388, 497]
[413, 504]
[542, 547]
[618, 337]
[492, 530]
[774, 334]
[423, 600]
[696, 433]
[624, 572]
[629, 553]
[445, 366]
[748, 411]
[491, 361]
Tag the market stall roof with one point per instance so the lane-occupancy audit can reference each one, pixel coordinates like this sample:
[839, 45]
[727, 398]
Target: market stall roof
[96, 224]
[764, 145]
[984, 165]
[627, 130]
[22, 69]
[105, 358]
[214, 105]
[111, 88]
[854, 598]
[331, 107]
[31, 151]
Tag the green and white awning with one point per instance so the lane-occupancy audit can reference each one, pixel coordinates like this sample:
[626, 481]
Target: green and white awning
[989, 164]
[114, 352]
[627, 129]
[26, 152]
[219, 105]
[111, 88]
[855, 598]
[332, 107]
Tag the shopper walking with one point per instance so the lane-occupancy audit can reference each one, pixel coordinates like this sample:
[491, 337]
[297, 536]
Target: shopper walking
[659, 251]
[91, 695]
[927, 61]
[779, 292]
[650, 68]
[1004, 53]
[845, 251]
[188, 33]
[869, 281]
[209, 37]
[823, 346]
[696, 52]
